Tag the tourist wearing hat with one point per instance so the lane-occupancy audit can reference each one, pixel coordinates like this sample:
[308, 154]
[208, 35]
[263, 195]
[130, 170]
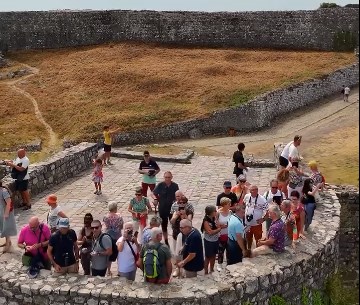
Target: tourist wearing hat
[63, 250]
[149, 169]
[228, 194]
[241, 188]
[55, 212]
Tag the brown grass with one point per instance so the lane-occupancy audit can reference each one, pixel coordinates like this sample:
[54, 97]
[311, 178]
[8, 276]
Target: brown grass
[135, 86]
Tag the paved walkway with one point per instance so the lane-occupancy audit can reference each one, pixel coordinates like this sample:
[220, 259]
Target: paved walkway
[201, 181]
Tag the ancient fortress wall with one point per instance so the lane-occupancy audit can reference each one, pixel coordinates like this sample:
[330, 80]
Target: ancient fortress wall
[254, 280]
[315, 29]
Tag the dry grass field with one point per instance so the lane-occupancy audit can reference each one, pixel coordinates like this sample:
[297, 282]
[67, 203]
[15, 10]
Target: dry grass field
[135, 86]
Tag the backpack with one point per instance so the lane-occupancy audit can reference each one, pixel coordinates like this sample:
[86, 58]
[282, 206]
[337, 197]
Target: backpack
[151, 262]
[114, 247]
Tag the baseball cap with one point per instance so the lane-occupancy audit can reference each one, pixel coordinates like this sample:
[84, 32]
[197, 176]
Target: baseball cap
[227, 183]
[63, 223]
[241, 178]
[51, 198]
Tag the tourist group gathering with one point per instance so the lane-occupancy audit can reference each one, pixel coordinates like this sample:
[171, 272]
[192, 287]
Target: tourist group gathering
[242, 223]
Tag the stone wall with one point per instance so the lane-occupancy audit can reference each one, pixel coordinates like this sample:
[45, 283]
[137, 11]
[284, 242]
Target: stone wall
[255, 280]
[315, 29]
[60, 167]
[349, 235]
[257, 113]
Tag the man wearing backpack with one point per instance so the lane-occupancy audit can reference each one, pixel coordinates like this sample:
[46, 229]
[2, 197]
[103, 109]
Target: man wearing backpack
[155, 259]
[101, 250]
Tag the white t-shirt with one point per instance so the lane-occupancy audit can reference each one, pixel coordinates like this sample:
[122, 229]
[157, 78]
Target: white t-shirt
[25, 162]
[126, 260]
[255, 206]
[286, 150]
[347, 90]
[53, 217]
[268, 195]
[294, 152]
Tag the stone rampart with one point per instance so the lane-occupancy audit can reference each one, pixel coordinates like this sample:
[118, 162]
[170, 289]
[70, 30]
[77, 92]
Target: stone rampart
[60, 167]
[257, 113]
[255, 280]
[320, 29]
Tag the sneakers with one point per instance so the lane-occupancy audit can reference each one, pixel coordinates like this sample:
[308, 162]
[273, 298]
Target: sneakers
[109, 163]
[97, 192]
[219, 267]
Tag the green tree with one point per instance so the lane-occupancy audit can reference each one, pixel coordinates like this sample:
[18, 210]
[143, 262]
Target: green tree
[328, 5]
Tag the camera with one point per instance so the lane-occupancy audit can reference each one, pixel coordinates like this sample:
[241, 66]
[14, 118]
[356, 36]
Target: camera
[249, 217]
[151, 172]
[130, 234]
[181, 208]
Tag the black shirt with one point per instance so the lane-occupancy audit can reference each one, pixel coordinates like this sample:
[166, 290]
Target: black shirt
[193, 244]
[232, 196]
[151, 165]
[238, 158]
[63, 248]
[166, 195]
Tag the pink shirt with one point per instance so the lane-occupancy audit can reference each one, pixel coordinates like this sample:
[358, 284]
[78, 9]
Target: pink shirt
[29, 238]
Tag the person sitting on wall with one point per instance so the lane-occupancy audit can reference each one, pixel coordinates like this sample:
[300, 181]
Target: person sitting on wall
[34, 239]
[275, 240]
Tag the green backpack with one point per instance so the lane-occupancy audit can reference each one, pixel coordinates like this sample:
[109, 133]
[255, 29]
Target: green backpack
[151, 262]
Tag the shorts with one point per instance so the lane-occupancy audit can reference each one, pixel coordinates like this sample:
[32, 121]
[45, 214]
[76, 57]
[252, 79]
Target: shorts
[164, 222]
[211, 248]
[107, 148]
[21, 185]
[283, 161]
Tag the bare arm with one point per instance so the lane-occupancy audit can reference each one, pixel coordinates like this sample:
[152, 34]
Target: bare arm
[62, 214]
[174, 217]
[168, 268]
[120, 245]
[314, 191]
[240, 241]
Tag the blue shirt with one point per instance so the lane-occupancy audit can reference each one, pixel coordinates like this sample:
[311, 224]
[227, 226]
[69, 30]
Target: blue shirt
[235, 226]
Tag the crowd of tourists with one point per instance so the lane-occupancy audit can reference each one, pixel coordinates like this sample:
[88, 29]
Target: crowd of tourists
[242, 223]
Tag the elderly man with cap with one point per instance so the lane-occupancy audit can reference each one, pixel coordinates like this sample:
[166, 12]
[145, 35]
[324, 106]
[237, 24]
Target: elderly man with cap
[55, 212]
[19, 172]
[63, 250]
[34, 238]
[228, 194]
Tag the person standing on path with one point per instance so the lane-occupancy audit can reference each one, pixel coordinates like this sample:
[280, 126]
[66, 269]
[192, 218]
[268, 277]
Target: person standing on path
[108, 135]
[164, 196]
[7, 218]
[19, 172]
[238, 158]
[149, 168]
[54, 214]
[346, 93]
[290, 151]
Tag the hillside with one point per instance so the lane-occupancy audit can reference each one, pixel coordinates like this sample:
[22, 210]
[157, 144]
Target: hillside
[134, 86]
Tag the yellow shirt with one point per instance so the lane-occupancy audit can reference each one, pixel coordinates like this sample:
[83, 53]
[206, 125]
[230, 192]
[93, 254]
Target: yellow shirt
[107, 138]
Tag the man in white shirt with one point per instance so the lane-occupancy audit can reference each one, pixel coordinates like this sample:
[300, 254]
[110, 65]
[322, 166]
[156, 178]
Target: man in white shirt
[256, 207]
[19, 172]
[290, 152]
[274, 194]
[346, 93]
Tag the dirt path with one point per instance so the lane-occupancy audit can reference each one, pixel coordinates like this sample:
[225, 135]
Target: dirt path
[330, 133]
[52, 136]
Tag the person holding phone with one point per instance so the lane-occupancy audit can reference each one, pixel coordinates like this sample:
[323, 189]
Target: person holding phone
[129, 250]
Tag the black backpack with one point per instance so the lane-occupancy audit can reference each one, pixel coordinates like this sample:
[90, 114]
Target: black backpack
[114, 247]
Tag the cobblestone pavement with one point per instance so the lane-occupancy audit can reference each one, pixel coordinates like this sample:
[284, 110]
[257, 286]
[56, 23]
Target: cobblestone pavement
[201, 181]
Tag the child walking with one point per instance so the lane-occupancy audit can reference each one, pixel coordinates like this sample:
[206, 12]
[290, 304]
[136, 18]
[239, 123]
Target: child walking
[98, 175]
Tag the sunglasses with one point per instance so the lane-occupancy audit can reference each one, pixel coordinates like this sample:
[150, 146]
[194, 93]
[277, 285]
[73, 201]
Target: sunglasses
[138, 194]
[242, 181]
[227, 187]
[274, 187]
[94, 228]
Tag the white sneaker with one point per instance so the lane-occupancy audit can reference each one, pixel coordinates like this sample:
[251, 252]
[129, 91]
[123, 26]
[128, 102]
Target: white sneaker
[219, 267]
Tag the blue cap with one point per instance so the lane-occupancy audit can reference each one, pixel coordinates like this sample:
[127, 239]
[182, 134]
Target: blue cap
[63, 223]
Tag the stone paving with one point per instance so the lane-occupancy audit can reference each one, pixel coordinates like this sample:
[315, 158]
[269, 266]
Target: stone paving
[201, 181]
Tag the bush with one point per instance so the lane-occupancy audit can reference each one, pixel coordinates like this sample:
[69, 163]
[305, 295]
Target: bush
[328, 5]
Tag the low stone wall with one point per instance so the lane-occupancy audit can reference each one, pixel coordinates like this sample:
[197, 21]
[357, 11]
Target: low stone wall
[349, 235]
[60, 167]
[255, 280]
[256, 114]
